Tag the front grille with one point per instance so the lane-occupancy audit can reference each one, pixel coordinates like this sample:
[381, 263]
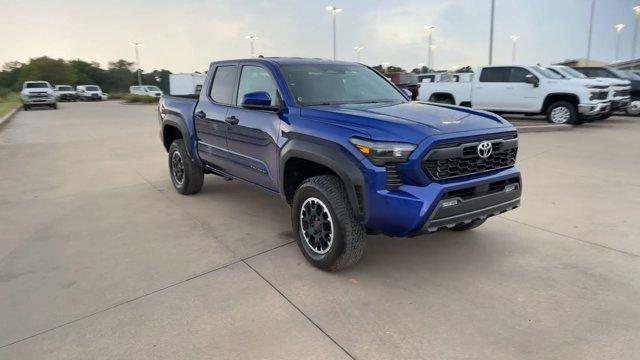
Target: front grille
[600, 95]
[449, 161]
[620, 93]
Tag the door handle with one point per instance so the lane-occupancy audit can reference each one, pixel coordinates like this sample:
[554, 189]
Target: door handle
[232, 120]
[201, 115]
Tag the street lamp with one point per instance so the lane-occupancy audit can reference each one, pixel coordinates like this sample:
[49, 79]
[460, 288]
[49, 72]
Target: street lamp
[334, 11]
[429, 30]
[432, 50]
[493, 13]
[636, 10]
[618, 28]
[514, 39]
[358, 50]
[593, 9]
[136, 45]
[252, 39]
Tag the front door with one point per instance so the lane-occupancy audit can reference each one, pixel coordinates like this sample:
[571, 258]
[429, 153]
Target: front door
[210, 115]
[252, 140]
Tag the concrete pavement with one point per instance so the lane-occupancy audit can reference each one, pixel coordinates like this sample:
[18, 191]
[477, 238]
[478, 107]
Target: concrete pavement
[100, 258]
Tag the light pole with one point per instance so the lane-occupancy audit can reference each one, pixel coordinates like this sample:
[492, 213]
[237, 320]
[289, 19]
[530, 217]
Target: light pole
[429, 30]
[593, 9]
[334, 11]
[385, 67]
[514, 39]
[252, 39]
[136, 45]
[432, 50]
[358, 50]
[636, 10]
[493, 13]
[618, 28]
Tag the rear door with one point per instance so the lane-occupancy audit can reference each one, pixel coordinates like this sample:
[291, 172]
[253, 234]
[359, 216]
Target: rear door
[252, 139]
[491, 91]
[210, 115]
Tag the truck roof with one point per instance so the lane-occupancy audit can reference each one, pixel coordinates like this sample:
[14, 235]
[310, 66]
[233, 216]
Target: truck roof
[287, 60]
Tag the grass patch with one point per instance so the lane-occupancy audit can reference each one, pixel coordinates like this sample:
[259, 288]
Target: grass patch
[140, 99]
[8, 102]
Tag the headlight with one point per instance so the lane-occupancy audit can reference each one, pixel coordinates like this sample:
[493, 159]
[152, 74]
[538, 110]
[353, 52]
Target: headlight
[381, 153]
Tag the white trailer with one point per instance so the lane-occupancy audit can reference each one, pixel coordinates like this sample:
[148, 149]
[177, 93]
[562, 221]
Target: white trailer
[186, 84]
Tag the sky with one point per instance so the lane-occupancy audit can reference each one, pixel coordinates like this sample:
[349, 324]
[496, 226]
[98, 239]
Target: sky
[185, 36]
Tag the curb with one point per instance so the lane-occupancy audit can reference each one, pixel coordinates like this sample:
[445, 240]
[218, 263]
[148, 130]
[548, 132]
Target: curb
[5, 119]
[542, 128]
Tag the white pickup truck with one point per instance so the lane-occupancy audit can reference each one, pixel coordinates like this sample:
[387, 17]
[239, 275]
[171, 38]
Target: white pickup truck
[525, 90]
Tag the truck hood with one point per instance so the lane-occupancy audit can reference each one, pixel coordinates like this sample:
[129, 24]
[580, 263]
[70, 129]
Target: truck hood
[409, 121]
[614, 82]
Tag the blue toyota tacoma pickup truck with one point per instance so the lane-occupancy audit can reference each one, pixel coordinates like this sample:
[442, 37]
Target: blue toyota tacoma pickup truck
[345, 148]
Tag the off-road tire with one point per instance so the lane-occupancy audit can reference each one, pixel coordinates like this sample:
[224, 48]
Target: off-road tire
[469, 226]
[571, 113]
[348, 244]
[192, 175]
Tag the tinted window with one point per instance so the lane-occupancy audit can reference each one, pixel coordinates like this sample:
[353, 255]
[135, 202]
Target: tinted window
[37, 85]
[92, 88]
[328, 84]
[497, 74]
[597, 72]
[255, 78]
[546, 72]
[65, 88]
[153, 88]
[518, 74]
[224, 81]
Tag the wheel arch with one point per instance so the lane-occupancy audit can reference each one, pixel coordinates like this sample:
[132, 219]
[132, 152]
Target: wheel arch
[555, 97]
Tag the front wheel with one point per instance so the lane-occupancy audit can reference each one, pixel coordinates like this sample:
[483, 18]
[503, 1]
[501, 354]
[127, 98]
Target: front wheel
[187, 177]
[633, 109]
[328, 233]
[25, 107]
[562, 112]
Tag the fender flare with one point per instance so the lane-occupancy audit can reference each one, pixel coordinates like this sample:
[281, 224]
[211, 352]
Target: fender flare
[339, 161]
[171, 120]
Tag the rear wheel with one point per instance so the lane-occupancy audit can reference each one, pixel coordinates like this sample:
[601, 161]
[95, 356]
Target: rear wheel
[54, 106]
[328, 233]
[187, 177]
[562, 112]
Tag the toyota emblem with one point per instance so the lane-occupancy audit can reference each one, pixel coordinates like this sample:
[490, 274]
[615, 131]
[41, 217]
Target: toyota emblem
[484, 149]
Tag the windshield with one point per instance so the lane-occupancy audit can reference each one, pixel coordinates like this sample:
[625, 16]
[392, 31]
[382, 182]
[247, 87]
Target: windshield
[334, 84]
[622, 74]
[547, 72]
[153, 88]
[92, 88]
[36, 85]
[631, 75]
[572, 72]
[65, 88]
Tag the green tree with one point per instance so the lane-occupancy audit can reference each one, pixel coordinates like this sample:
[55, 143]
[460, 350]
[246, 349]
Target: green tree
[88, 73]
[10, 75]
[55, 71]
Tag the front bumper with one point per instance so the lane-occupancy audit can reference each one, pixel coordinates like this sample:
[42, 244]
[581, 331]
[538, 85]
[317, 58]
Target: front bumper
[38, 101]
[620, 104]
[412, 210]
[594, 109]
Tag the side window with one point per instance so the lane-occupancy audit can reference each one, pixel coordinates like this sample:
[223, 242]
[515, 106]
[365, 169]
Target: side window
[495, 74]
[518, 74]
[224, 81]
[255, 78]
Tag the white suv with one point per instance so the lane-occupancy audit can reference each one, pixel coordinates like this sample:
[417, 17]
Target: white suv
[145, 90]
[89, 92]
[37, 93]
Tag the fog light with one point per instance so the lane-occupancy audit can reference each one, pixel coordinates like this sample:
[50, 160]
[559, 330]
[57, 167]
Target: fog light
[510, 188]
[450, 203]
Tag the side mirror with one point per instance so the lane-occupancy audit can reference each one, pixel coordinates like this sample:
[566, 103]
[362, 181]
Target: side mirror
[260, 100]
[530, 79]
[407, 93]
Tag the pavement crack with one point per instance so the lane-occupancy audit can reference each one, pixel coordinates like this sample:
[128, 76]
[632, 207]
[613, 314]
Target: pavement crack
[572, 237]
[300, 310]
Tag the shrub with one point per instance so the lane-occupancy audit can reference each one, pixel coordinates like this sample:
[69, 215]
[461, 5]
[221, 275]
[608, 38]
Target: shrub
[140, 99]
[4, 93]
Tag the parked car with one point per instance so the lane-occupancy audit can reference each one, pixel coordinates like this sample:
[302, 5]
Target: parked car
[406, 81]
[65, 93]
[36, 93]
[525, 89]
[145, 90]
[628, 94]
[89, 92]
[345, 148]
[617, 87]
[186, 84]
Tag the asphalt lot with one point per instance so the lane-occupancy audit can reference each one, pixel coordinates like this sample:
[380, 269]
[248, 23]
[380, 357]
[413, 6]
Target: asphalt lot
[100, 258]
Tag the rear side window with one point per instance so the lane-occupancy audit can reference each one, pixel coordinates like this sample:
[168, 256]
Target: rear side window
[223, 85]
[518, 74]
[496, 74]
